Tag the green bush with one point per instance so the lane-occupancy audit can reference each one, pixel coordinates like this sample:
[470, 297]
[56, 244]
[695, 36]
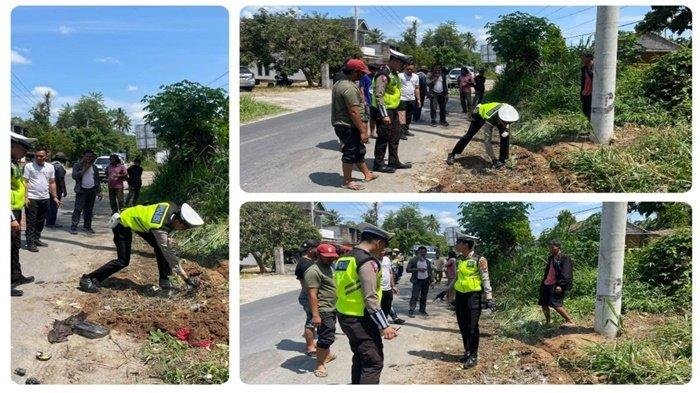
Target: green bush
[253, 110]
[633, 104]
[534, 133]
[667, 262]
[669, 81]
[656, 162]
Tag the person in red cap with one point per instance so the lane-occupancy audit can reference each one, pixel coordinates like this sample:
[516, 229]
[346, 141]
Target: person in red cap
[349, 120]
[321, 285]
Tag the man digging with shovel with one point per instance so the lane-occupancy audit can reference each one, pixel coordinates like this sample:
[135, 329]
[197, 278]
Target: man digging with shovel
[153, 223]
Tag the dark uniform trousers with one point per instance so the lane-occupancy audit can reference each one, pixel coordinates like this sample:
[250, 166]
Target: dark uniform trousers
[122, 240]
[468, 309]
[474, 126]
[388, 136]
[36, 217]
[84, 203]
[367, 348]
[16, 243]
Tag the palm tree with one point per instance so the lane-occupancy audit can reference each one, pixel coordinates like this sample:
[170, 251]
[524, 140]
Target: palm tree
[469, 41]
[332, 218]
[432, 223]
[375, 36]
[120, 120]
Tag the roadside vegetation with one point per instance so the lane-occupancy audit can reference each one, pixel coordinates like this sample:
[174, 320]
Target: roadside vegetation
[654, 345]
[252, 109]
[541, 79]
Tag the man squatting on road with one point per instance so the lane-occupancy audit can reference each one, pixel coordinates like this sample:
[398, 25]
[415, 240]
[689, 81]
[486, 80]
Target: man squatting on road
[358, 288]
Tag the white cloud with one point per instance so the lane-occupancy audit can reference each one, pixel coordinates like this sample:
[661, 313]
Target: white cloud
[408, 20]
[447, 219]
[131, 88]
[108, 59]
[65, 30]
[245, 14]
[40, 91]
[21, 49]
[16, 58]
[478, 17]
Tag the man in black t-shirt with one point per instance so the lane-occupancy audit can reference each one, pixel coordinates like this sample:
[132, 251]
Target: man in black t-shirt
[479, 88]
[134, 180]
[308, 258]
[59, 160]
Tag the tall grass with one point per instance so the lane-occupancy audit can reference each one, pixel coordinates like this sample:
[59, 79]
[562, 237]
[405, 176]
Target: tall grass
[253, 110]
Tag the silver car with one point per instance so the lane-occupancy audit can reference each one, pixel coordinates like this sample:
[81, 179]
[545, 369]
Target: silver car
[247, 79]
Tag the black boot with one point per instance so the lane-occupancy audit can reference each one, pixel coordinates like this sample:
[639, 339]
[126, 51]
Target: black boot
[450, 159]
[383, 168]
[16, 292]
[471, 362]
[89, 284]
[464, 357]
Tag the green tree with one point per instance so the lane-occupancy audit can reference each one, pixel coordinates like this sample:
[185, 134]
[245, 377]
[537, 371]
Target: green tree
[629, 51]
[371, 216]
[407, 217]
[374, 36]
[266, 225]
[57, 141]
[431, 223]
[445, 34]
[663, 215]
[290, 43]
[678, 19]
[191, 119]
[90, 111]
[524, 42]
[501, 226]
[332, 218]
[84, 138]
[469, 41]
[41, 113]
[409, 38]
[120, 120]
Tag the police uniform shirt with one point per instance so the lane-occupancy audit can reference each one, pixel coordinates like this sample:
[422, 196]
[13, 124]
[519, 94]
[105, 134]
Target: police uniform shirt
[484, 274]
[367, 272]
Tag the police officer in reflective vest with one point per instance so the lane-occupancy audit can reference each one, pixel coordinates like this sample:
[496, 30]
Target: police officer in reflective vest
[358, 288]
[471, 283]
[386, 98]
[492, 115]
[153, 223]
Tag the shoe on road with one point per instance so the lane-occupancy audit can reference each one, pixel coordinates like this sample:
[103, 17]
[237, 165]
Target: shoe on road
[433, 124]
[444, 124]
[383, 168]
[423, 313]
[399, 321]
[450, 159]
[411, 314]
[471, 362]
[404, 137]
[88, 284]
[32, 248]
[16, 292]
[409, 133]
[402, 165]
[73, 230]
[464, 358]
[41, 244]
[23, 280]
[89, 230]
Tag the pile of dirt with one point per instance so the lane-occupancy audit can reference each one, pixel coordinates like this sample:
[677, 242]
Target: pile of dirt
[131, 302]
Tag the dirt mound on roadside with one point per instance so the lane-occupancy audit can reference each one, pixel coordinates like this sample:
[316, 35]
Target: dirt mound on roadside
[131, 302]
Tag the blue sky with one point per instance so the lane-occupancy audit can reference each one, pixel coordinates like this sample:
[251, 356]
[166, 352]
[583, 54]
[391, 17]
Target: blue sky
[542, 215]
[393, 20]
[123, 52]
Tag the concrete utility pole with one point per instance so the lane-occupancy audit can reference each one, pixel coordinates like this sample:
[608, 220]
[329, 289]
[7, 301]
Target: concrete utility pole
[604, 74]
[357, 27]
[313, 216]
[611, 259]
[279, 260]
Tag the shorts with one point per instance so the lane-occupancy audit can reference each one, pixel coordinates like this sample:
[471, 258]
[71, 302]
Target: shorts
[550, 298]
[373, 112]
[405, 105]
[304, 301]
[353, 149]
[326, 332]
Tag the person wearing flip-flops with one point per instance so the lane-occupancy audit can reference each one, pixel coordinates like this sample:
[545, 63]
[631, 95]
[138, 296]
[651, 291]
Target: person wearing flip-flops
[558, 279]
[492, 114]
[349, 120]
[153, 223]
[321, 286]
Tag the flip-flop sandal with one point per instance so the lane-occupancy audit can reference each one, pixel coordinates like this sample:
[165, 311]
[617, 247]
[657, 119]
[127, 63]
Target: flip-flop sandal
[311, 354]
[321, 373]
[374, 177]
[331, 358]
[353, 186]
[567, 326]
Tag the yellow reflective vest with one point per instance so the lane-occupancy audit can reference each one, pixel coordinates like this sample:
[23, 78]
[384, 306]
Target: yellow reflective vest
[468, 275]
[392, 92]
[18, 192]
[144, 218]
[348, 288]
[486, 111]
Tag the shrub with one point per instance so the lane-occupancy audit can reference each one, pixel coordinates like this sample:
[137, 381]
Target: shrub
[667, 263]
[534, 133]
[669, 81]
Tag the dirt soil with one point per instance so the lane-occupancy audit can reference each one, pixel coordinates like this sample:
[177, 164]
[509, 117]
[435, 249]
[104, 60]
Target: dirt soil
[130, 302]
[510, 360]
[529, 171]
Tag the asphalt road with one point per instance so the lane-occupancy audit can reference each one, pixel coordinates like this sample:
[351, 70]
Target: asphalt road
[272, 350]
[299, 152]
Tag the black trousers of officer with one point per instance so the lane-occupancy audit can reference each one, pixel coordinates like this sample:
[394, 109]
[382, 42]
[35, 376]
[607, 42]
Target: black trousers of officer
[15, 244]
[388, 136]
[474, 126]
[122, 240]
[367, 348]
[468, 309]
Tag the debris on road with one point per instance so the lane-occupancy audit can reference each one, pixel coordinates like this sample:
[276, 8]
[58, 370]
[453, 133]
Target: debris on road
[43, 356]
[32, 381]
[75, 324]
[21, 372]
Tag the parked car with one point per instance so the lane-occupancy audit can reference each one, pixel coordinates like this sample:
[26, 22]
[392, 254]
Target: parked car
[247, 79]
[102, 162]
[454, 74]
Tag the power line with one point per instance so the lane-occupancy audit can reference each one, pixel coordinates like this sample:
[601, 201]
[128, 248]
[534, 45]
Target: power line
[16, 94]
[554, 12]
[390, 22]
[22, 94]
[572, 14]
[218, 77]
[541, 11]
[398, 18]
[21, 83]
[581, 24]
[573, 213]
[583, 35]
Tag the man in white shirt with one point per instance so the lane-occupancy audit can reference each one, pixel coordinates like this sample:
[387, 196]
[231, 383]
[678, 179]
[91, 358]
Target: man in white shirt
[421, 271]
[410, 97]
[40, 182]
[389, 287]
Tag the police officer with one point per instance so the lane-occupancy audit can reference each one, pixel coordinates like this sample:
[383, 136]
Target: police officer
[358, 288]
[153, 223]
[19, 144]
[471, 283]
[492, 115]
[387, 98]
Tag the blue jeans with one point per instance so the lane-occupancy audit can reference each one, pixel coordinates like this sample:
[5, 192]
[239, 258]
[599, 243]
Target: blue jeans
[53, 211]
